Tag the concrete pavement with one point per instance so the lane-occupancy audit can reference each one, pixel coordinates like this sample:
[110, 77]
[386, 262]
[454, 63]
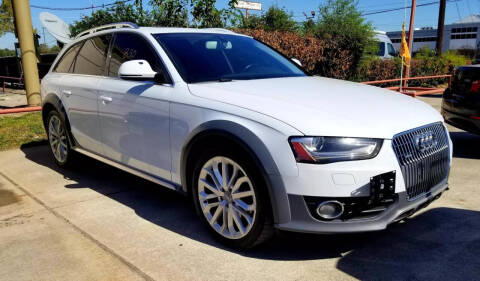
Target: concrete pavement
[94, 222]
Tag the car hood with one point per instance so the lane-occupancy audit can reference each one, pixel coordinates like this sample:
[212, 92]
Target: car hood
[324, 107]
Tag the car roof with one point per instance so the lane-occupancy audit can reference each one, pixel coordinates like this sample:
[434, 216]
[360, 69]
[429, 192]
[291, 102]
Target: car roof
[184, 30]
[146, 31]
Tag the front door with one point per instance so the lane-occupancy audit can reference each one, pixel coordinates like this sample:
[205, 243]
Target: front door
[134, 115]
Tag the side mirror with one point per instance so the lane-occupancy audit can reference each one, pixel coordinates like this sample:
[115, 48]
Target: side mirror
[136, 70]
[297, 61]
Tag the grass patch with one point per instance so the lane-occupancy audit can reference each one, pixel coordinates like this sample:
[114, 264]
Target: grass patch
[18, 130]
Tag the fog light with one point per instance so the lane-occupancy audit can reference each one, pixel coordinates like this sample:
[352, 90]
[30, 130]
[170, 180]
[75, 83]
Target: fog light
[330, 210]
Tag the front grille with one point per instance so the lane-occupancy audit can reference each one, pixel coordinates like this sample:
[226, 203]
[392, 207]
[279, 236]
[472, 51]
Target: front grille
[423, 155]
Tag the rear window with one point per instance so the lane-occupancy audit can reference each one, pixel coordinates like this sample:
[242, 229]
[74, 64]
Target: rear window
[91, 58]
[65, 63]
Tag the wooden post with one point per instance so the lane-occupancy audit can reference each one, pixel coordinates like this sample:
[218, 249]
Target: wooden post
[23, 25]
[410, 40]
[441, 26]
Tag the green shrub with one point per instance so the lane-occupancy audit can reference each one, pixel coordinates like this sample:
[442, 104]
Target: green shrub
[455, 59]
[424, 63]
[373, 68]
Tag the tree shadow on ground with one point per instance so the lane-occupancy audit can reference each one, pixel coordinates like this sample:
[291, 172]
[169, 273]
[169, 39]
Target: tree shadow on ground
[441, 243]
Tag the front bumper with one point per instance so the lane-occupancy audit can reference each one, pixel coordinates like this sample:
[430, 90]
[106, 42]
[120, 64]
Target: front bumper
[303, 221]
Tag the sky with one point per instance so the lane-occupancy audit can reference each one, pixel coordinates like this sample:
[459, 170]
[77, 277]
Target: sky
[391, 21]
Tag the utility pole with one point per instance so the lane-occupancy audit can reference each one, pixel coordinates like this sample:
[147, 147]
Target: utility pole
[23, 26]
[441, 26]
[410, 39]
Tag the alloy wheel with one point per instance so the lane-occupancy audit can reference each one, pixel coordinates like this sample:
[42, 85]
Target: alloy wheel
[227, 198]
[58, 139]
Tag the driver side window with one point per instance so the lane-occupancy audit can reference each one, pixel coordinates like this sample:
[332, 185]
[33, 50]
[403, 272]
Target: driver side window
[130, 46]
[391, 50]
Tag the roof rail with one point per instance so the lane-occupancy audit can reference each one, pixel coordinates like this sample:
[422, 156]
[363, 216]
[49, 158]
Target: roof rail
[219, 29]
[107, 26]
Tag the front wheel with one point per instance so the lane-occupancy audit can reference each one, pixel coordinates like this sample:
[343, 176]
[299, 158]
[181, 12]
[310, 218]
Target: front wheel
[228, 196]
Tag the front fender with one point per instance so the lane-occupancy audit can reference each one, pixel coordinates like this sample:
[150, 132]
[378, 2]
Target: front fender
[257, 150]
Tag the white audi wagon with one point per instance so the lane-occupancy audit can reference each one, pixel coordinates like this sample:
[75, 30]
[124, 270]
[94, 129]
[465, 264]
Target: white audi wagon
[256, 142]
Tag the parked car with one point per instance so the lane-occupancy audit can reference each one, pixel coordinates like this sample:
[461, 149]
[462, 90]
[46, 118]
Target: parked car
[385, 45]
[255, 141]
[461, 101]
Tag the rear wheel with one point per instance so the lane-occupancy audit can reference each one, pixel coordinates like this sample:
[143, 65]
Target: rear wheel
[229, 198]
[58, 138]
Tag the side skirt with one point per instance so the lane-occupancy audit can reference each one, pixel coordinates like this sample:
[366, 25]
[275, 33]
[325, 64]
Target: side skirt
[159, 181]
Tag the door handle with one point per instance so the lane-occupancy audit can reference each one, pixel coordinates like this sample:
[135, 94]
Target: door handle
[106, 99]
[67, 93]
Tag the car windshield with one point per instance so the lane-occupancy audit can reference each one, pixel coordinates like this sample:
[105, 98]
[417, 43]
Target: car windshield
[202, 57]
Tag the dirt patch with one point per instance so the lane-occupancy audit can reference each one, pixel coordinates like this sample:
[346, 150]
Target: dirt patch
[8, 197]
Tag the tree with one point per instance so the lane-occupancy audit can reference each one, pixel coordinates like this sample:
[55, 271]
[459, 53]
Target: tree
[162, 13]
[45, 49]
[253, 22]
[278, 19]
[205, 14]
[170, 13]
[6, 17]
[274, 19]
[119, 13]
[7, 53]
[340, 20]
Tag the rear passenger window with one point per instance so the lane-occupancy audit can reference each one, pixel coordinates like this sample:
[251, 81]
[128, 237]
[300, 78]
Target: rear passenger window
[129, 46]
[91, 58]
[63, 66]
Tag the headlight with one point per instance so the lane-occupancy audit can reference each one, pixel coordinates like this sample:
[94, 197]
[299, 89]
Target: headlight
[334, 149]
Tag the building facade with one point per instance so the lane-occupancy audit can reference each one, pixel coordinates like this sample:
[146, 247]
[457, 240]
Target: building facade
[464, 34]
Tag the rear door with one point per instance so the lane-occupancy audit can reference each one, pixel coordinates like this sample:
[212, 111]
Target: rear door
[80, 91]
[134, 115]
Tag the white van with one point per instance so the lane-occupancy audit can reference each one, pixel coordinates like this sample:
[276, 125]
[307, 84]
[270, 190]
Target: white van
[385, 46]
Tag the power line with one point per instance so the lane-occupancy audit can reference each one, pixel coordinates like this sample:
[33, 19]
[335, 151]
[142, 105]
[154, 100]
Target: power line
[401, 8]
[397, 9]
[390, 3]
[82, 8]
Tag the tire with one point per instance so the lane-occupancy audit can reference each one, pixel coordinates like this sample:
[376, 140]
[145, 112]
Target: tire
[238, 222]
[58, 139]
